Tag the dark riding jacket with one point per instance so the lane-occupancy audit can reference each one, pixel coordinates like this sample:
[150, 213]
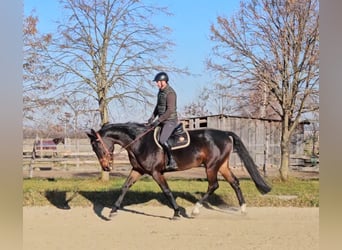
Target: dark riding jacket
[166, 108]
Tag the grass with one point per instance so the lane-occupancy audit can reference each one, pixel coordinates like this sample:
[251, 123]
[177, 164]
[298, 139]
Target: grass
[92, 191]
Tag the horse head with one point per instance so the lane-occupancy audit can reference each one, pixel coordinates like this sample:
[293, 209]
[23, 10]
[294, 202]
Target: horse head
[58, 140]
[103, 151]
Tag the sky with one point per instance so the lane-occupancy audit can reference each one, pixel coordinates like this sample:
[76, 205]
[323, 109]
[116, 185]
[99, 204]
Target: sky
[191, 30]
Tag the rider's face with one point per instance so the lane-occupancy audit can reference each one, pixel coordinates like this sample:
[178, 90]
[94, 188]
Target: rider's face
[161, 84]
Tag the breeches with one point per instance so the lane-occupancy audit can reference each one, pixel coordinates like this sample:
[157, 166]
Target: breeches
[166, 130]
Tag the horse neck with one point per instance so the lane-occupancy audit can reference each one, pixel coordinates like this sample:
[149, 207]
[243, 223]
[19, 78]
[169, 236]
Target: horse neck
[123, 134]
[119, 137]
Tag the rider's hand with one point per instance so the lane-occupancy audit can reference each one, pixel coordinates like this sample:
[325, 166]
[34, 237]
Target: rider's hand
[149, 121]
[153, 124]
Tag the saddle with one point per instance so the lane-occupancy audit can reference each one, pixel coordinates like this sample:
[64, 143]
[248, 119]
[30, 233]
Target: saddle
[179, 138]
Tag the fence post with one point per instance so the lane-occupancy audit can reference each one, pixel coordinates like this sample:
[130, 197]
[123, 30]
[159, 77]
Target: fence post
[266, 145]
[104, 175]
[32, 160]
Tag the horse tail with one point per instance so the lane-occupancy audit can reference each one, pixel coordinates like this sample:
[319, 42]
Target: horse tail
[251, 167]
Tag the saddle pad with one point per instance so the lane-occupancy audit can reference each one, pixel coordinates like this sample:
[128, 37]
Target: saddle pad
[179, 138]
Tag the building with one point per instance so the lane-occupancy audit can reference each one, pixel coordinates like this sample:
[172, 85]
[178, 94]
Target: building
[261, 137]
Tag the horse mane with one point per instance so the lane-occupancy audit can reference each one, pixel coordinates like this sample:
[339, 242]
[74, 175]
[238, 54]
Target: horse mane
[131, 128]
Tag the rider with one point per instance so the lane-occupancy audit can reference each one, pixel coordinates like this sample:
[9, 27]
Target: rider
[166, 111]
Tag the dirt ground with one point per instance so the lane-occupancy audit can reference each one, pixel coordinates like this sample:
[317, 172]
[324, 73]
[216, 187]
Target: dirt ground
[150, 227]
[145, 226]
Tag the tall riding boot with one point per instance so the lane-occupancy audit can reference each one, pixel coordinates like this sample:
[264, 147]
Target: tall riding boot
[171, 165]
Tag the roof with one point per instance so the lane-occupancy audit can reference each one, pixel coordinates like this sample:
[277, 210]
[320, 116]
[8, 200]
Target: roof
[240, 117]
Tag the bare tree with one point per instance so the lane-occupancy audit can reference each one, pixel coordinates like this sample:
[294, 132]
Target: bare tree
[37, 76]
[192, 109]
[258, 102]
[216, 99]
[110, 50]
[273, 42]
[80, 112]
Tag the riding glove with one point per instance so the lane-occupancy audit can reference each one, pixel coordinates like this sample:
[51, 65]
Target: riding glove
[149, 121]
[154, 124]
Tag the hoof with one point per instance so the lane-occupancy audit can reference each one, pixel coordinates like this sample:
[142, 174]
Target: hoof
[112, 214]
[243, 209]
[196, 209]
[195, 212]
[176, 217]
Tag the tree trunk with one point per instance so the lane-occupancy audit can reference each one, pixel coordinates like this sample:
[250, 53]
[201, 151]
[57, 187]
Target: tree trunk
[285, 150]
[103, 110]
[104, 176]
[104, 119]
[284, 164]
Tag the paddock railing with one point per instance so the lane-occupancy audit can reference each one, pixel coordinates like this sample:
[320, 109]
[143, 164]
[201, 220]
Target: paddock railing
[77, 154]
[74, 154]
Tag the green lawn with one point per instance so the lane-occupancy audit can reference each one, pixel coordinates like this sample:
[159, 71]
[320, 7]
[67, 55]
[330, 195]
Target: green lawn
[91, 191]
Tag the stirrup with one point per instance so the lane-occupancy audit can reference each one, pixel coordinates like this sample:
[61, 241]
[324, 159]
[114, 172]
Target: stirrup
[172, 165]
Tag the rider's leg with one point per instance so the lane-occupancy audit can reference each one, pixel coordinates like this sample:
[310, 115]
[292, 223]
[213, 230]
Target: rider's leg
[171, 165]
[165, 133]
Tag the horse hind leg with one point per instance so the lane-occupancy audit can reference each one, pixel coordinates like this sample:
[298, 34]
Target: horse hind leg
[212, 186]
[234, 183]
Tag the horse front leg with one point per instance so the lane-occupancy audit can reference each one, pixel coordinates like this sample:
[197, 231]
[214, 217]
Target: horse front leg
[160, 179]
[131, 179]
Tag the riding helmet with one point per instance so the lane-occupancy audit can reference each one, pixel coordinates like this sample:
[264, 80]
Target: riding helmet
[161, 76]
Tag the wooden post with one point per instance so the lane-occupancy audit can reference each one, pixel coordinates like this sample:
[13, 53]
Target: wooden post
[266, 145]
[105, 176]
[32, 160]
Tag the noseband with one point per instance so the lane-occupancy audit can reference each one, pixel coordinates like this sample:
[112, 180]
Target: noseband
[108, 154]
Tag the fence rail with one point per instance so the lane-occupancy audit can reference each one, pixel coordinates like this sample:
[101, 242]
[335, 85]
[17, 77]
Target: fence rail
[75, 154]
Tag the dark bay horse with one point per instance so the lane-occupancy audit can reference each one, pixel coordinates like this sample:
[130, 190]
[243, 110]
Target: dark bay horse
[209, 148]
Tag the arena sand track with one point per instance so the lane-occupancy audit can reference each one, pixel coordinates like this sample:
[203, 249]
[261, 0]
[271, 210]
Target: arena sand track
[149, 227]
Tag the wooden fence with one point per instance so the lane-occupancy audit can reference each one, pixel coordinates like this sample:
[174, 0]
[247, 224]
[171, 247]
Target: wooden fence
[75, 154]
[262, 137]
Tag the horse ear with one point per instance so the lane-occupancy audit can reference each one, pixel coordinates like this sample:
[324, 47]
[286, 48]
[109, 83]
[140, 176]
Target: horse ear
[91, 134]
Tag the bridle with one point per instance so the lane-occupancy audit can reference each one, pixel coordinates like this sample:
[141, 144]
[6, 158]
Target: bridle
[110, 155]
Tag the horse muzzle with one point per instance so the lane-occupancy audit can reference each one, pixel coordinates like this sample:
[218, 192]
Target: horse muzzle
[107, 165]
[107, 169]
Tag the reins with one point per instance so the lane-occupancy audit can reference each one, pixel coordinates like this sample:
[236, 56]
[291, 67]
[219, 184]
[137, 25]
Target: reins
[137, 138]
[124, 147]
